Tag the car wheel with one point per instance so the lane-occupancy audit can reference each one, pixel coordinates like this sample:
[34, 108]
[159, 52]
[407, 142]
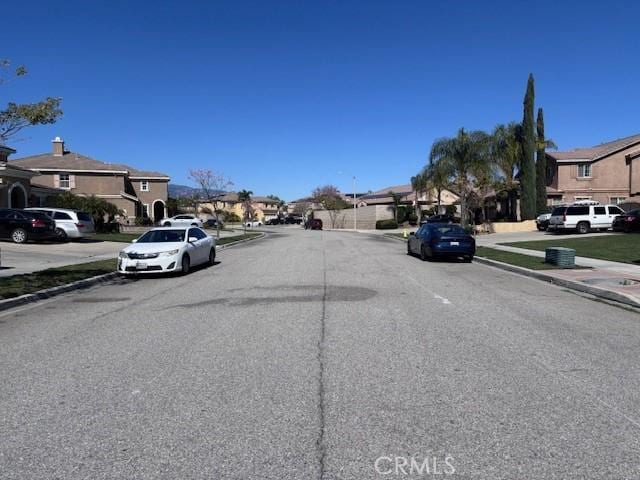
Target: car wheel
[166, 224]
[186, 264]
[61, 235]
[423, 253]
[212, 256]
[468, 258]
[19, 235]
[583, 227]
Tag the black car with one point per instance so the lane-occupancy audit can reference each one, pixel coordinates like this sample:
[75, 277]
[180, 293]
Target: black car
[441, 240]
[313, 224]
[21, 226]
[627, 222]
[291, 220]
[213, 223]
[440, 219]
[273, 221]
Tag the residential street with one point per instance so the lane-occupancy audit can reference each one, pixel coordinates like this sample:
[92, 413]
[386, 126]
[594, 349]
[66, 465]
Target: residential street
[311, 355]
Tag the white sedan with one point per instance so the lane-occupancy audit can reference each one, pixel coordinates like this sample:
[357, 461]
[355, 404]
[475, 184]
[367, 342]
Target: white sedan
[182, 221]
[167, 249]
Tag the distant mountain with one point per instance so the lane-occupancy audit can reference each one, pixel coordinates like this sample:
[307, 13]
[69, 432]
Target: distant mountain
[178, 191]
[181, 191]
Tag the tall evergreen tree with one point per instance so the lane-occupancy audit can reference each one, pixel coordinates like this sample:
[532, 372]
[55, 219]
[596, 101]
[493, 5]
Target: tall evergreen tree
[528, 166]
[541, 166]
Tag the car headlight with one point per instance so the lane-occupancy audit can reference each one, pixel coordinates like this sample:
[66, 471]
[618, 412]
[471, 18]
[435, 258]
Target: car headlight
[170, 253]
[123, 254]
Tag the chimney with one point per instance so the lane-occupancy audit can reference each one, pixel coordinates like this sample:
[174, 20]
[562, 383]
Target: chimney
[58, 147]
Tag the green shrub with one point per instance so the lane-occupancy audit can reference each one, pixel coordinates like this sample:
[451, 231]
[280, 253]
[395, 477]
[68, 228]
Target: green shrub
[402, 213]
[412, 218]
[386, 224]
[143, 221]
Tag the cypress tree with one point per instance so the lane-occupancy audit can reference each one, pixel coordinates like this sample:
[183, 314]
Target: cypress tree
[541, 166]
[528, 164]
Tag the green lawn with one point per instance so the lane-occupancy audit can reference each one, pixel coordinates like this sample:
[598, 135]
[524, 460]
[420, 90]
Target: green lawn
[116, 237]
[17, 285]
[624, 247]
[236, 238]
[517, 259]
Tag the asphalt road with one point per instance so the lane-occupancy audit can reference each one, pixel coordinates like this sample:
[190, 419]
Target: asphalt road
[312, 355]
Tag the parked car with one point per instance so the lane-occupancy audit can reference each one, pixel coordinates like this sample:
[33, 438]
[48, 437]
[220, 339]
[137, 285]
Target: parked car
[627, 222]
[542, 221]
[583, 217]
[213, 223]
[293, 220]
[441, 240]
[182, 221]
[440, 219]
[313, 224]
[69, 223]
[254, 223]
[167, 249]
[273, 221]
[20, 226]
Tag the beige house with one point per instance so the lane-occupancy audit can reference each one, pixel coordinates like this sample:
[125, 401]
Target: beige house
[608, 173]
[264, 208]
[137, 193]
[407, 197]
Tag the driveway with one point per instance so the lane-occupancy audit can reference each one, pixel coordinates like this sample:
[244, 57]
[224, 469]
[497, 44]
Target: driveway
[30, 257]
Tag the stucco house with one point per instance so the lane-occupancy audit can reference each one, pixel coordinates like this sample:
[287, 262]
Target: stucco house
[407, 197]
[608, 173]
[137, 193]
[264, 208]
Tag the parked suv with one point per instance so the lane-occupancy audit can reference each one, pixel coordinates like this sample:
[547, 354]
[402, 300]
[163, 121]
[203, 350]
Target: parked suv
[69, 223]
[583, 217]
[21, 226]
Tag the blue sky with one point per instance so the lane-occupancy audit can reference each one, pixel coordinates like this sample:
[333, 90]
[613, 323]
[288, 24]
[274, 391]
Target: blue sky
[283, 96]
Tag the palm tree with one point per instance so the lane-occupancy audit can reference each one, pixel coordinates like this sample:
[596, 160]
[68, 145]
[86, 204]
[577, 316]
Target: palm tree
[244, 197]
[464, 156]
[507, 154]
[421, 184]
[439, 177]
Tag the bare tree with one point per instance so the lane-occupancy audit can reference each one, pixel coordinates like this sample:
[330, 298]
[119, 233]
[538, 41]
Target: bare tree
[213, 186]
[331, 200]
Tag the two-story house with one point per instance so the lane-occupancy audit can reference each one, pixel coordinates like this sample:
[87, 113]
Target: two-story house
[264, 208]
[608, 173]
[137, 193]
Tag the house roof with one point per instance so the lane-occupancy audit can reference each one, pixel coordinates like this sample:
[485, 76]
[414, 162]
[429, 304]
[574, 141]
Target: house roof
[74, 161]
[591, 154]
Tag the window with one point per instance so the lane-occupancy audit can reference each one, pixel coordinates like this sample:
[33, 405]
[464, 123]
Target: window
[580, 199]
[145, 210]
[65, 181]
[196, 232]
[599, 211]
[615, 211]
[584, 170]
[61, 216]
[144, 186]
[578, 211]
[618, 200]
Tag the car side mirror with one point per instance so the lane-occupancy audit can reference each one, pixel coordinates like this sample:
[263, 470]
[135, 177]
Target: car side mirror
[193, 239]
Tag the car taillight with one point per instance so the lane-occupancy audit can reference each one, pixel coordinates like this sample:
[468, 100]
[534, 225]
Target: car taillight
[80, 225]
[36, 223]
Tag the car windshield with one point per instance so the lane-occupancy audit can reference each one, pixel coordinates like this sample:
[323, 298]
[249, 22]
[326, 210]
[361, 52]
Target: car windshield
[447, 230]
[162, 236]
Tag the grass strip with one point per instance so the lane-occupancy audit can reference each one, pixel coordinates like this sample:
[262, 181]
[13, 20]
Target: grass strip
[17, 285]
[624, 247]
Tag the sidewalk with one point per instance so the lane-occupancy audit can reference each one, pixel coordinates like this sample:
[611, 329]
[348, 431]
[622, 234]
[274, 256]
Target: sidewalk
[620, 278]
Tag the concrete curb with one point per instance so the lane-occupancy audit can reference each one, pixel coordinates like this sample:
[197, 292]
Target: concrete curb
[85, 283]
[54, 291]
[239, 242]
[573, 285]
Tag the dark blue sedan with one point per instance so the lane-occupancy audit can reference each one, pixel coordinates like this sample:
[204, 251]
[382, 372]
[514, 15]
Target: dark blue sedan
[441, 240]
